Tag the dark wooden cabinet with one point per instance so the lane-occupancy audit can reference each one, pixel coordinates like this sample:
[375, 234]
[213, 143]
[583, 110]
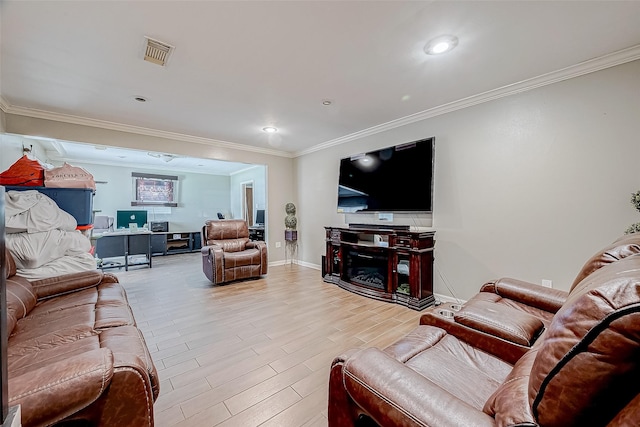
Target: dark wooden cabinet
[165, 243]
[394, 265]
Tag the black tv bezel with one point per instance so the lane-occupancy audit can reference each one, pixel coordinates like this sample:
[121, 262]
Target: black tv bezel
[413, 211]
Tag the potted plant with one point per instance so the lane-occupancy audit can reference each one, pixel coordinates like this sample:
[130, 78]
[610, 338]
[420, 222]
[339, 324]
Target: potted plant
[635, 201]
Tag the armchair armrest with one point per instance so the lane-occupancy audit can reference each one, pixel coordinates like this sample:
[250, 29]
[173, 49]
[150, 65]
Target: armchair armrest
[501, 321]
[391, 392]
[547, 299]
[67, 283]
[54, 392]
[212, 262]
[262, 247]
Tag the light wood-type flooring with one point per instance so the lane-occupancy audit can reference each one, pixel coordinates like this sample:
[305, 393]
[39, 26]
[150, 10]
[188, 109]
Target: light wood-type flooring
[251, 353]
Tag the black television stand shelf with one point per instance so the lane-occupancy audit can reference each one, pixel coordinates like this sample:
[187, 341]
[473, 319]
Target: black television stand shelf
[388, 264]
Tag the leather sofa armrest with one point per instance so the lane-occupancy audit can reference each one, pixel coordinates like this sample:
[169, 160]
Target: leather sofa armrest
[213, 263]
[538, 296]
[54, 392]
[391, 392]
[261, 246]
[501, 321]
[68, 283]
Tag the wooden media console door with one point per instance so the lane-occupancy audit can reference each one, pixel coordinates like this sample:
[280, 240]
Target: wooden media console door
[385, 264]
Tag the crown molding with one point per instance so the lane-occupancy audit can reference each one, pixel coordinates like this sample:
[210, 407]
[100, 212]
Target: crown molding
[103, 124]
[607, 61]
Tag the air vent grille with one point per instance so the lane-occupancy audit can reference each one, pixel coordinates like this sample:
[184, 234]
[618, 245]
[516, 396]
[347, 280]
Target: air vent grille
[157, 52]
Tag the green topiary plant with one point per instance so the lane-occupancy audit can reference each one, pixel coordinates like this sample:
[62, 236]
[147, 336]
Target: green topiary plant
[635, 201]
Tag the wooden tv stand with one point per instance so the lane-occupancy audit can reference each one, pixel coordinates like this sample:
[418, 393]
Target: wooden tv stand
[393, 265]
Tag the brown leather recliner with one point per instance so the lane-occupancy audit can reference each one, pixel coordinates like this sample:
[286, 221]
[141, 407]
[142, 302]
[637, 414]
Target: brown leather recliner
[584, 369]
[228, 254]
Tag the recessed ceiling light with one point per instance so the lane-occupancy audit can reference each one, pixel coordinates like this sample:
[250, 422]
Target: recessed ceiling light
[270, 129]
[327, 102]
[441, 45]
[140, 99]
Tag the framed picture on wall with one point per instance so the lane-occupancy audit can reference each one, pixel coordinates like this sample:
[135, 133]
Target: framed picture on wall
[154, 190]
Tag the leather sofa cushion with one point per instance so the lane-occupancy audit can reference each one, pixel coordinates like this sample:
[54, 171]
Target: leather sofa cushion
[509, 404]
[107, 302]
[68, 324]
[623, 247]
[450, 363]
[592, 345]
[242, 259]
[26, 355]
[501, 321]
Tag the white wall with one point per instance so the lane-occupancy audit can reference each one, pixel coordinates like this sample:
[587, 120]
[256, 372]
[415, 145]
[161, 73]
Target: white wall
[527, 186]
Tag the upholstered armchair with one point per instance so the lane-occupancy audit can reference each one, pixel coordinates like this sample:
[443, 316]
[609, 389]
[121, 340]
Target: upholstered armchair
[228, 254]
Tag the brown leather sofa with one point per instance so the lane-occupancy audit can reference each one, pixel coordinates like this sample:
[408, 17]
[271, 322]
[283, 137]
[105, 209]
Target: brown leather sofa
[228, 254]
[75, 355]
[583, 367]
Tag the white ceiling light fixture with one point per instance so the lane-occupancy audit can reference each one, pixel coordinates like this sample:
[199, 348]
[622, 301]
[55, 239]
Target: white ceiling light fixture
[270, 129]
[441, 44]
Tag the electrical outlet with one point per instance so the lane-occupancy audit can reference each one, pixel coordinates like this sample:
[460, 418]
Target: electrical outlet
[547, 283]
[278, 244]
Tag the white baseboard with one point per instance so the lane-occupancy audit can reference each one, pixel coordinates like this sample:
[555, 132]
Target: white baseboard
[296, 262]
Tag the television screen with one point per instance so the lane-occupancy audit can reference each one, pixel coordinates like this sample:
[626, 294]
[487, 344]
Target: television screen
[398, 178]
[124, 218]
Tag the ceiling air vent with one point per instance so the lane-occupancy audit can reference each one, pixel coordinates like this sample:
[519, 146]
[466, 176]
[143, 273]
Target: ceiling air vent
[157, 51]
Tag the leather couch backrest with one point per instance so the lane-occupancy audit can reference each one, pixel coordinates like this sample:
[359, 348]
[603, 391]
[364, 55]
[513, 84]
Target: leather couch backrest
[587, 368]
[232, 234]
[21, 297]
[623, 247]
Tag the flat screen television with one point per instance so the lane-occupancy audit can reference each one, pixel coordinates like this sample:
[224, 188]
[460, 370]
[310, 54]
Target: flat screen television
[124, 218]
[393, 179]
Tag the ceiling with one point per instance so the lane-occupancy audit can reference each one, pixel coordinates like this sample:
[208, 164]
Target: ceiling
[239, 66]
